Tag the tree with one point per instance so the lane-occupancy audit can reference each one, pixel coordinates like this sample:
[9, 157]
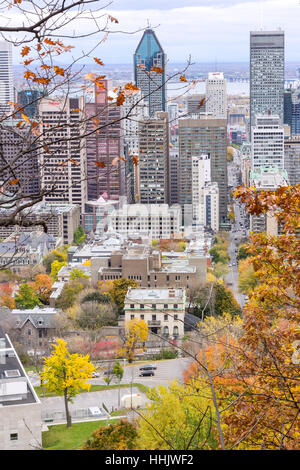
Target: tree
[247, 276]
[6, 299]
[27, 298]
[93, 315]
[215, 299]
[55, 268]
[177, 418]
[54, 255]
[66, 374]
[243, 252]
[118, 372]
[42, 286]
[69, 293]
[79, 235]
[78, 274]
[119, 291]
[117, 436]
[136, 332]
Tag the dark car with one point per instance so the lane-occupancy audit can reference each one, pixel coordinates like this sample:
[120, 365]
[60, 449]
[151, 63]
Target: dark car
[148, 367]
[146, 373]
[108, 372]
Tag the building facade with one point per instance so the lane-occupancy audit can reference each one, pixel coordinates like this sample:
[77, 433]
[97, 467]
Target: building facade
[6, 76]
[266, 74]
[267, 139]
[149, 71]
[216, 95]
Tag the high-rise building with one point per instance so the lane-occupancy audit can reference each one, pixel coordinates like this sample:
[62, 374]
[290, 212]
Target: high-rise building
[18, 150]
[292, 109]
[292, 159]
[154, 159]
[6, 75]
[267, 138]
[199, 136]
[63, 156]
[29, 100]
[266, 73]
[195, 104]
[105, 169]
[173, 176]
[149, 71]
[216, 95]
[205, 195]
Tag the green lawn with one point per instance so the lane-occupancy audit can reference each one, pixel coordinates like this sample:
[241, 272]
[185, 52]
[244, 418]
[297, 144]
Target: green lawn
[59, 437]
[94, 388]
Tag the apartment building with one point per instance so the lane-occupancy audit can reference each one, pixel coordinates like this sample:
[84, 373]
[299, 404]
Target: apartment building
[267, 139]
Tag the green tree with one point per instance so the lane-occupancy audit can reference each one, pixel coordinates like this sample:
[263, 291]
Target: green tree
[243, 253]
[118, 372]
[69, 293]
[118, 436]
[225, 301]
[79, 235]
[27, 298]
[66, 374]
[119, 291]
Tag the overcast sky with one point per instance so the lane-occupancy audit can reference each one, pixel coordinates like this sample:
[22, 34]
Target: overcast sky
[208, 30]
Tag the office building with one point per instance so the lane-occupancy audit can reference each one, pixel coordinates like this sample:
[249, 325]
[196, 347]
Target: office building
[154, 159]
[105, 168]
[292, 159]
[6, 76]
[149, 71]
[63, 156]
[195, 104]
[266, 74]
[216, 95]
[199, 136]
[267, 138]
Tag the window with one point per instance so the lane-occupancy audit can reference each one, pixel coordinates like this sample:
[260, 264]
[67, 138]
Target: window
[153, 317]
[142, 306]
[165, 305]
[131, 317]
[131, 305]
[175, 317]
[175, 332]
[165, 317]
[175, 305]
[154, 306]
[29, 332]
[14, 436]
[142, 317]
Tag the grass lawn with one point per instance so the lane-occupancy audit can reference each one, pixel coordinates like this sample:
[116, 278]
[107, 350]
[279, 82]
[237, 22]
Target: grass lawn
[59, 437]
[94, 388]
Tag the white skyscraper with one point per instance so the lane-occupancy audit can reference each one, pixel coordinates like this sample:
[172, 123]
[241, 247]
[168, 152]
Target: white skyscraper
[267, 138]
[216, 95]
[205, 194]
[6, 75]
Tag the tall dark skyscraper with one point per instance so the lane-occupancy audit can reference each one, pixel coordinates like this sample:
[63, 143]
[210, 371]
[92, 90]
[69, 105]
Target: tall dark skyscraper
[148, 55]
[266, 74]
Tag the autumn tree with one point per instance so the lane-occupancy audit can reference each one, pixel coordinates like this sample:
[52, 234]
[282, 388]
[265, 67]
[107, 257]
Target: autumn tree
[55, 268]
[66, 374]
[119, 291]
[69, 293]
[6, 298]
[136, 333]
[247, 277]
[116, 436]
[176, 418]
[42, 286]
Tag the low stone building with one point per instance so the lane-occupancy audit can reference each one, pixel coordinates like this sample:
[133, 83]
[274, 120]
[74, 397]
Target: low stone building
[20, 408]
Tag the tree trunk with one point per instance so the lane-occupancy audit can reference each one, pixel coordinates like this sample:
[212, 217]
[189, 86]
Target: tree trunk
[68, 416]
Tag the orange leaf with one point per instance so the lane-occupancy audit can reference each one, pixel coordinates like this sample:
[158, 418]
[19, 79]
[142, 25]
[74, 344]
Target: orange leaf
[98, 61]
[59, 70]
[157, 69]
[120, 99]
[183, 79]
[112, 19]
[15, 181]
[100, 164]
[25, 51]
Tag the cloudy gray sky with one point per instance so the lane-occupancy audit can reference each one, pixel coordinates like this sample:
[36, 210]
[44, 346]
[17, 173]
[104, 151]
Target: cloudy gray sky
[208, 30]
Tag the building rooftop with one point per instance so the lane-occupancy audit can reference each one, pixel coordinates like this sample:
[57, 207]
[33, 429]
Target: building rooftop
[15, 387]
[154, 294]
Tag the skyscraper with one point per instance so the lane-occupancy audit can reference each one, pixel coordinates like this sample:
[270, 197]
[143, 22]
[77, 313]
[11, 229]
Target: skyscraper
[216, 95]
[199, 136]
[267, 138]
[154, 159]
[266, 73]
[6, 75]
[148, 56]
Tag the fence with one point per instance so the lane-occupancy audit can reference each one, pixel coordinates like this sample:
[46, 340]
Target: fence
[77, 414]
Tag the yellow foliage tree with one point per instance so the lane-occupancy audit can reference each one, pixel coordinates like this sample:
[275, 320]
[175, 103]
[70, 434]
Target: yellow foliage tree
[136, 332]
[66, 374]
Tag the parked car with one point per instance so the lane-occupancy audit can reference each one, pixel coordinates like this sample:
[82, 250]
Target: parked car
[146, 373]
[96, 374]
[108, 372]
[148, 367]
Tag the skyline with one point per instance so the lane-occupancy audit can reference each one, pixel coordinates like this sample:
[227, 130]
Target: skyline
[222, 27]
